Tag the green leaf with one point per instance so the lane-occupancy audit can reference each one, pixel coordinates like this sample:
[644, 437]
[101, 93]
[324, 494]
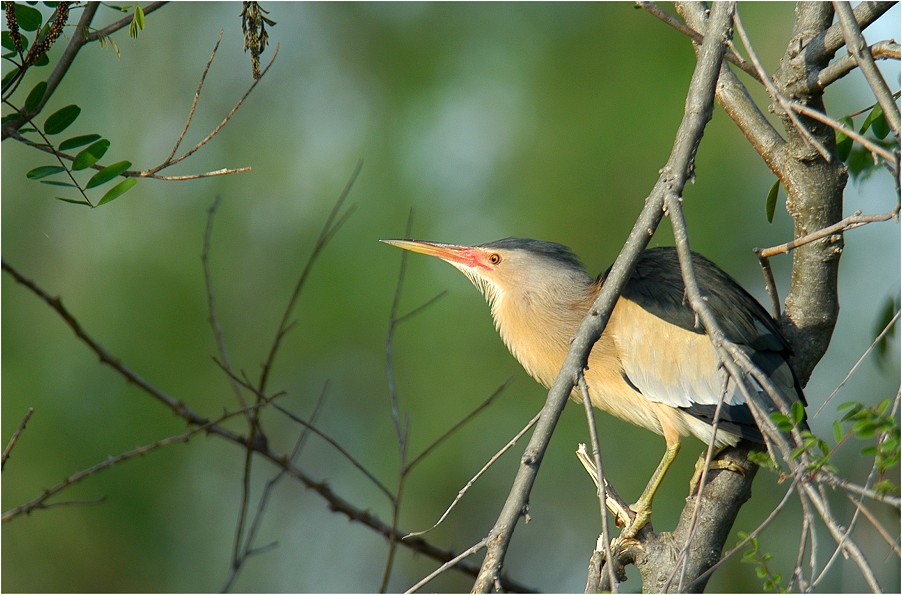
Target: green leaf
[137, 24]
[29, 18]
[75, 201]
[91, 155]
[798, 412]
[6, 39]
[61, 119]
[880, 127]
[41, 60]
[9, 76]
[139, 16]
[877, 112]
[883, 319]
[108, 173]
[58, 183]
[837, 431]
[34, 98]
[843, 142]
[783, 423]
[44, 171]
[78, 141]
[771, 206]
[118, 190]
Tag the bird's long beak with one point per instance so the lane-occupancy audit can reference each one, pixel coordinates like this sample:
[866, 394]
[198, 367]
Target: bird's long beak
[447, 252]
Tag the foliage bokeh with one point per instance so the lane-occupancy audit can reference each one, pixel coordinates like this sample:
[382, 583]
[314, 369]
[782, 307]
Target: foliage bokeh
[488, 120]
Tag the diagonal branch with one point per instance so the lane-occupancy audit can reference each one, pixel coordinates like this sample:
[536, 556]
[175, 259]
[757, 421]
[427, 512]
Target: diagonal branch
[675, 174]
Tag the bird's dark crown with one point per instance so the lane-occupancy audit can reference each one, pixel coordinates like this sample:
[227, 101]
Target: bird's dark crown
[552, 250]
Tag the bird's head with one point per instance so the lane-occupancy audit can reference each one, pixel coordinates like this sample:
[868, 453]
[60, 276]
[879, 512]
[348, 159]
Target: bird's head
[530, 270]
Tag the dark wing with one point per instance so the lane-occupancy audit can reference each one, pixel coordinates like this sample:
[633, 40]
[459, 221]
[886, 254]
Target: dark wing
[689, 376]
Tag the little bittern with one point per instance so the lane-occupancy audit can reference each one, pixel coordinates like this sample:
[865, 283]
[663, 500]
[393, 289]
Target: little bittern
[653, 366]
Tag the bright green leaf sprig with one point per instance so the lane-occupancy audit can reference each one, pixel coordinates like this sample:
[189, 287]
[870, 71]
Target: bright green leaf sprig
[95, 147]
[772, 581]
[875, 423]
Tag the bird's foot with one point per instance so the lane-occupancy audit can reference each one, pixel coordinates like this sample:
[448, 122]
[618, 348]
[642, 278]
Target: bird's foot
[717, 464]
[643, 516]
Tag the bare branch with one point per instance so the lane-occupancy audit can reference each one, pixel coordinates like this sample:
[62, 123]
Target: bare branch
[867, 144]
[696, 37]
[479, 473]
[211, 305]
[15, 437]
[774, 93]
[605, 537]
[882, 50]
[341, 450]
[449, 564]
[850, 222]
[858, 47]
[333, 223]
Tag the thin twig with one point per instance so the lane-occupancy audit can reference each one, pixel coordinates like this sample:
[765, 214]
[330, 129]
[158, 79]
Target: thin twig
[858, 47]
[121, 23]
[341, 450]
[864, 142]
[854, 220]
[200, 87]
[887, 328]
[460, 423]
[268, 490]
[696, 37]
[882, 50]
[770, 284]
[334, 221]
[211, 304]
[775, 93]
[602, 491]
[751, 535]
[449, 564]
[169, 162]
[401, 430]
[41, 501]
[484, 468]
[15, 437]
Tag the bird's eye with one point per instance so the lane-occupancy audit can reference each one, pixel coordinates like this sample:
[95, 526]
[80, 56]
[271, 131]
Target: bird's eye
[495, 258]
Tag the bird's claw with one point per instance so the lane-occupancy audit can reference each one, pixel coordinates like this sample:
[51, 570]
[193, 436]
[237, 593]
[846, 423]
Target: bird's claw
[643, 516]
[718, 465]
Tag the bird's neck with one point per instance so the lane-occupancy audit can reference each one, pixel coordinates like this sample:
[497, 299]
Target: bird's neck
[538, 327]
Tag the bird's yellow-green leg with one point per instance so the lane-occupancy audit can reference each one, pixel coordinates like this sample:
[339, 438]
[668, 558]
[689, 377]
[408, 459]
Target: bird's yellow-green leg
[642, 507]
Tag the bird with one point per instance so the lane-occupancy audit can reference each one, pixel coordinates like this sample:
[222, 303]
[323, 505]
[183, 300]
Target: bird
[653, 365]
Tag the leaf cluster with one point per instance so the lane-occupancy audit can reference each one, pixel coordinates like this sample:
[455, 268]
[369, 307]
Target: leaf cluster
[773, 581]
[26, 26]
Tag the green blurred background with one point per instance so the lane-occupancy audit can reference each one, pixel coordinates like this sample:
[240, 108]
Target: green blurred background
[488, 120]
